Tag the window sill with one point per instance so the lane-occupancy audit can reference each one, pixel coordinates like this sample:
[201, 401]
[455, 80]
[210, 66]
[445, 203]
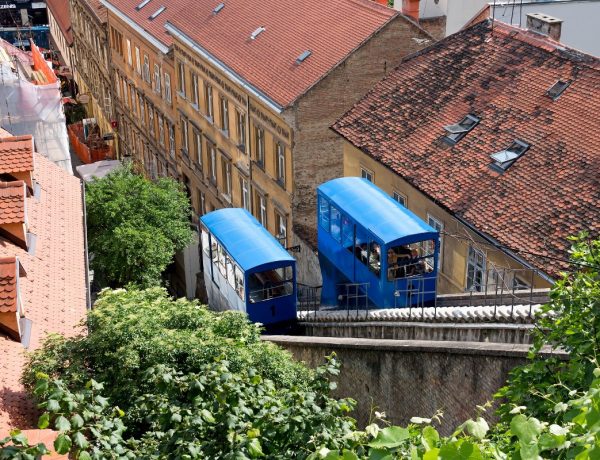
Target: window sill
[281, 183]
[226, 197]
[224, 132]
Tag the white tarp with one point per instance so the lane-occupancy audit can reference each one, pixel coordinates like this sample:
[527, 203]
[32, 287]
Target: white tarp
[26, 108]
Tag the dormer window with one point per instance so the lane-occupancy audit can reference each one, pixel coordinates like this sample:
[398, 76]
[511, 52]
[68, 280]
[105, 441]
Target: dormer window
[141, 5]
[459, 130]
[257, 32]
[557, 89]
[504, 159]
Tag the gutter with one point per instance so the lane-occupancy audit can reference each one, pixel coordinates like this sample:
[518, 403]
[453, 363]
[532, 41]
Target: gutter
[230, 73]
[88, 299]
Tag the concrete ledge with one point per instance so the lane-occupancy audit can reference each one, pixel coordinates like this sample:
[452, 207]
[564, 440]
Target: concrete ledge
[495, 326]
[420, 346]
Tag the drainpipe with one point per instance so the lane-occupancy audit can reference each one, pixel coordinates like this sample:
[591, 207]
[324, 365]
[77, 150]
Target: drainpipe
[88, 298]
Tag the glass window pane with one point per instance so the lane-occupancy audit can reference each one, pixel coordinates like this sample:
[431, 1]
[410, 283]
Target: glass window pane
[324, 213]
[361, 247]
[375, 257]
[270, 284]
[347, 233]
[336, 224]
[239, 283]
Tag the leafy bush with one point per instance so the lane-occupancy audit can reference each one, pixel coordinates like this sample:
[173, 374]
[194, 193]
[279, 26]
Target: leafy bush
[132, 331]
[135, 226]
[571, 321]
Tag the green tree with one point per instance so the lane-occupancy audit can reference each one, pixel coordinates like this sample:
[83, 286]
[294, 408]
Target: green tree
[571, 322]
[135, 226]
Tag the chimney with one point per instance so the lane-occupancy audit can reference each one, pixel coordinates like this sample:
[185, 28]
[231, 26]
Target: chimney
[410, 8]
[544, 24]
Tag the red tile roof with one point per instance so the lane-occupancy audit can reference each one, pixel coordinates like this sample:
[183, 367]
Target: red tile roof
[98, 9]
[330, 29]
[54, 291]
[16, 154]
[62, 14]
[8, 284]
[501, 76]
[12, 202]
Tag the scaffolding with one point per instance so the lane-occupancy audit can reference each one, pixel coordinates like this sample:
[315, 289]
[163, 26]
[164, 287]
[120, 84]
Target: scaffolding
[31, 102]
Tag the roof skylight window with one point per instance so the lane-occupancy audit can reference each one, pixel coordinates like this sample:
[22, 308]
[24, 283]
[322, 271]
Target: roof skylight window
[219, 7]
[557, 89]
[257, 32]
[300, 59]
[505, 158]
[141, 5]
[157, 12]
[459, 130]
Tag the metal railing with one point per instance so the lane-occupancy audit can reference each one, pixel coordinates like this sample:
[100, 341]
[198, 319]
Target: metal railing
[272, 291]
[309, 299]
[502, 291]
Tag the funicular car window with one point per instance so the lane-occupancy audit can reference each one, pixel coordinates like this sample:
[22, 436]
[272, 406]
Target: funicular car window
[410, 259]
[270, 284]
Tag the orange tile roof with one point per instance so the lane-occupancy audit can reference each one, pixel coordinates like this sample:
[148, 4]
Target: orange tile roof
[330, 29]
[12, 202]
[16, 154]
[8, 284]
[501, 76]
[54, 291]
[97, 9]
[61, 12]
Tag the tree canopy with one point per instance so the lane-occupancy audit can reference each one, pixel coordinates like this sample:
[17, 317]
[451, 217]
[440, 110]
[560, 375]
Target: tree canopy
[135, 226]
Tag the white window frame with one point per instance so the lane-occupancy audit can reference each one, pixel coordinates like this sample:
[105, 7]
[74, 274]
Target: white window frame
[161, 130]
[245, 194]
[157, 73]
[260, 146]
[138, 62]
[224, 115]
[280, 158]
[213, 164]
[366, 173]
[129, 53]
[184, 135]
[168, 94]
[400, 198]
[208, 94]
[172, 140]
[198, 147]
[262, 210]
[281, 228]
[195, 89]
[472, 260]
[146, 75]
[241, 128]
[181, 78]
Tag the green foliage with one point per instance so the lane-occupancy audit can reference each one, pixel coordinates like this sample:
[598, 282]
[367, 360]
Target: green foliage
[135, 226]
[132, 331]
[16, 447]
[571, 322]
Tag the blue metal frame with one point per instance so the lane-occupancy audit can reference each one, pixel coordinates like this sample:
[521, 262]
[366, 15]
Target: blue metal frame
[366, 210]
[254, 250]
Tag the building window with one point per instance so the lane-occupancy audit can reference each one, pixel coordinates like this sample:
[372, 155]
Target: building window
[172, 139]
[208, 96]
[261, 209]
[202, 203]
[475, 270]
[280, 155]
[244, 194]
[260, 146]
[399, 197]
[439, 226]
[151, 121]
[198, 148]
[226, 172]
[146, 68]
[181, 79]
[168, 87]
[505, 158]
[225, 115]
[138, 64]
[366, 174]
[195, 95]
[241, 130]
[161, 130]
[184, 135]
[157, 78]
[281, 229]
[212, 158]
[129, 54]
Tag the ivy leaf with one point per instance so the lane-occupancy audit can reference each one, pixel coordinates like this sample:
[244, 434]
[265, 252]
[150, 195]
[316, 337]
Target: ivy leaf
[62, 444]
[431, 454]
[380, 454]
[430, 437]
[62, 424]
[255, 449]
[19, 438]
[76, 421]
[526, 429]
[390, 437]
[44, 421]
[477, 428]
[84, 455]
[349, 455]
[207, 416]
[53, 405]
[80, 440]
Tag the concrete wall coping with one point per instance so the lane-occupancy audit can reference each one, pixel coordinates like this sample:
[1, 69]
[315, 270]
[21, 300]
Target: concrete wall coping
[494, 326]
[422, 346]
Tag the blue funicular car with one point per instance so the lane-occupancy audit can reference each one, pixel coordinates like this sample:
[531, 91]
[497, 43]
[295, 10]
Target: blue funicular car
[369, 241]
[247, 269]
